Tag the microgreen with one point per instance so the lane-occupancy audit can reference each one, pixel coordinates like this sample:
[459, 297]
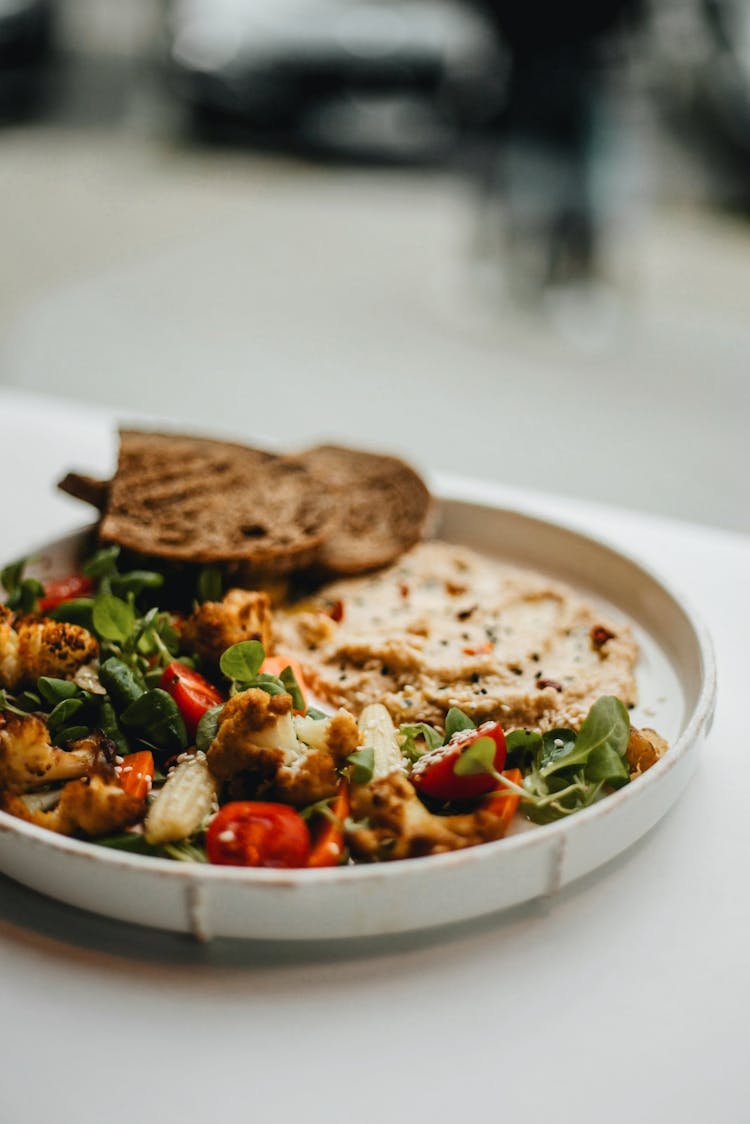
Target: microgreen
[363, 765]
[290, 684]
[209, 586]
[157, 720]
[123, 685]
[113, 618]
[410, 735]
[54, 691]
[242, 662]
[522, 746]
[6, 704]
[318, 715]
[606, 725]
[479, 757]
[455, 722]
[208, 728]
[21, 593]
[79, 610]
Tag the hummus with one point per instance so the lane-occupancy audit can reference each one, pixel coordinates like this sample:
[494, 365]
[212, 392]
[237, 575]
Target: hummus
[446, 627]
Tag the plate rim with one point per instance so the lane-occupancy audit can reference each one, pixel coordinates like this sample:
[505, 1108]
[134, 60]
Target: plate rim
[456, 490]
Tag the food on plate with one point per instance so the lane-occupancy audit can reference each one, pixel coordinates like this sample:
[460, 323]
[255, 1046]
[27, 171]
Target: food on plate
[162, 708]
[199, 500]
[446, 627]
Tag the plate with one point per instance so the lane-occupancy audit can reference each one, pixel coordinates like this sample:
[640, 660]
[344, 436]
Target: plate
[676, 678]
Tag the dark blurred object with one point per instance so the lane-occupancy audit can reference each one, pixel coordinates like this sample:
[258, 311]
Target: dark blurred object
[554, 133]
[25, 44]
[726, 80]
[275, 66]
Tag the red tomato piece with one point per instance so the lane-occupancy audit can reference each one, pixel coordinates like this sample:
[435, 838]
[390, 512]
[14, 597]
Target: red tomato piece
[251, 833]
[193, 693]
[64, 589]
[433, 775]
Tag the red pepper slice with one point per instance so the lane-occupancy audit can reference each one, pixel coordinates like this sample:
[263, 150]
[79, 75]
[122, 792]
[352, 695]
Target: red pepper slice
[504, 803]
[433, 775]
[251, 833]
[192, 692]
[137, 773]
[329, 847]
[64, 589]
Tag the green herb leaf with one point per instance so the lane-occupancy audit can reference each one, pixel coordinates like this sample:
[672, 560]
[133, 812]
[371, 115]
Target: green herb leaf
[208, 728]
[29, 701]
[209, 585]
[318, 715]
[605, 764]
[522, 747]
[113, 618]
[412, 733]
[455, 722]
[184, 851]
[479, 757]
[242, 661]
[606, 725]
[289, 680]
[556, 744]
[120, 682]
[6, 704]
[131, 841]
[79, 610]
[103, 564]
[62, 713]
[11, 576]
[363, 765]
[72, 734]
[54, 691]
[135, 581]
[109, 726]
[22, 593]
[156, 716]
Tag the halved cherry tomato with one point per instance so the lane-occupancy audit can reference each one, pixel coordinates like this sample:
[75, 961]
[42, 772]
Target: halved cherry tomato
[504, 803]
[250, 833]
[64, 589]
[433, 775]
[193, 693]
[329, 847]
[274, 665]
[137, 773]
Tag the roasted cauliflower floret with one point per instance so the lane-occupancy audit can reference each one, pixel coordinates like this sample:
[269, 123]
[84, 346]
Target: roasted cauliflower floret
[91, 805]
[217, 625]
[28, 760]
[34, 646]
[396, 825]
[295, 762]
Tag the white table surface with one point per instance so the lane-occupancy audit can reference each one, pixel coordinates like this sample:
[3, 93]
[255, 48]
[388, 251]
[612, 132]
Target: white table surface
[625, 998]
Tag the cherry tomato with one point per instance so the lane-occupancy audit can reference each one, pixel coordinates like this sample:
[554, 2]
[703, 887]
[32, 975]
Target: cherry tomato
[64, 589]
[193, 694]
[433, 775]
[250, 833]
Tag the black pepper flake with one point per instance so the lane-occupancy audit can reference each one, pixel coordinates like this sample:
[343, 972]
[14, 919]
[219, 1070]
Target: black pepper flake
[538, 675]
[516, 670]
[385, 670]
[475, 677]
[535, 657]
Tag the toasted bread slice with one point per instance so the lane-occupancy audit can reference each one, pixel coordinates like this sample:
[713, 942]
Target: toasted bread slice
[382, 507]
[198, 500]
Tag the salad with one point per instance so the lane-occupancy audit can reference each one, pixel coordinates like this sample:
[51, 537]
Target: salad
[147, 711]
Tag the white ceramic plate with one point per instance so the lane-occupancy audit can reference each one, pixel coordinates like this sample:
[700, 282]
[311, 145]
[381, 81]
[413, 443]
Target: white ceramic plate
[677, 688]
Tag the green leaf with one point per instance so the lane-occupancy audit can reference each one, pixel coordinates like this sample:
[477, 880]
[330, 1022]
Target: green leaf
[209, 585]
[72, 734]
[479, 757]
[289, 681]
[208, 728]
[605, 764]
[6, 704]
[103, 564]
[455, 722]
[606, 725]
[29, 701]
[522, 747]
[11, 576]
[120, 682]
[128, 841]
[242, 661]
[556, 744]
[413, 732]
[79, 610]
[62, 714]
[109, 726]
[363, 765]
[135, 581]
[184, 851]
[22, 593]
[313, 712]
[156, 716]
[113, 618]
[54, 691]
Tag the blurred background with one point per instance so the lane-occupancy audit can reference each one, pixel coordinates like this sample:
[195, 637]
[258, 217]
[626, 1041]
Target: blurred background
[497, 239]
